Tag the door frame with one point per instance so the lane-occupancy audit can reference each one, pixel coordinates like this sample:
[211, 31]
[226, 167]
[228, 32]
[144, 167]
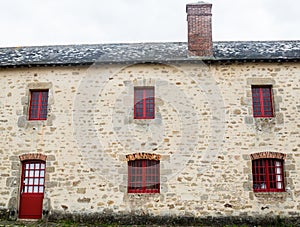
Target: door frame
[32, 188]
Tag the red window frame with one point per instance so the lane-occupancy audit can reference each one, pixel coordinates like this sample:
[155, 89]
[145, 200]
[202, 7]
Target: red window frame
[143, 176]
[268, 175]
[144, 103]
[262, 101]
[38, 108]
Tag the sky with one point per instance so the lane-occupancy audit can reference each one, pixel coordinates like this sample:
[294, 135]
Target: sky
[61, 22]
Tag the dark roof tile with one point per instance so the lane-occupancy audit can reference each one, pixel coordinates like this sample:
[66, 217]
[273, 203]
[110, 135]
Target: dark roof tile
[144, 52]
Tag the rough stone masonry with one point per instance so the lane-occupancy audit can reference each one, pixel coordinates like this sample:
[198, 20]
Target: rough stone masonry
[93, 171]
[204, 134]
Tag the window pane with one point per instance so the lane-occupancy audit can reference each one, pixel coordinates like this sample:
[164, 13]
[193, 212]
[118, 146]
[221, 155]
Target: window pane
[36, 189]
[279, 185]
[278, 178]
[278, 170]
[278, 164]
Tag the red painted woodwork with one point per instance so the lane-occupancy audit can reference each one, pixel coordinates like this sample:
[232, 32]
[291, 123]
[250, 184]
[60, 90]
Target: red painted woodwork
[144, 103]
[143, 176]
[268, 175]
[32, 189]
[262, 101]
[38, 105]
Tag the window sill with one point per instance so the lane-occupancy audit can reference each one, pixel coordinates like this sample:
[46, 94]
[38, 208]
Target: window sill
[143, 196]
[263, 117]
[143, 119]
[143, 193]
[143, 200]
[271, 196]
[37, 119]
[143, 122]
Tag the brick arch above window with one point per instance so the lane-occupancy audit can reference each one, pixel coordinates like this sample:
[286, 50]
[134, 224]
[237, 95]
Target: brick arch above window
[268, 154]
[33, 156]
[140, 156]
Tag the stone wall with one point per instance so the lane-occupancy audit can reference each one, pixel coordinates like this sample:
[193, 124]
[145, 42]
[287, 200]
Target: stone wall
[204, 133]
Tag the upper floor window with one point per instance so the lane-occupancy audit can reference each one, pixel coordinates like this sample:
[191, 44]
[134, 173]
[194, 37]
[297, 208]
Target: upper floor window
[144, 103]
[143, 176]
[262, 101]
[268, 175]
[38, 105]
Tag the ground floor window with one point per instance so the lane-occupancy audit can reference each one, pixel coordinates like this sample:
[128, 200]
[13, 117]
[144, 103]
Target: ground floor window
[268, 175]
[143, 176]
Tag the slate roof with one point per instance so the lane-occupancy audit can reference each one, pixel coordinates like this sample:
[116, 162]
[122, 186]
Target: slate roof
[145, 52]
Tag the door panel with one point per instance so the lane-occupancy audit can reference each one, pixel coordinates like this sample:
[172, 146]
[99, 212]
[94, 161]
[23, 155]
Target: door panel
[32, 189]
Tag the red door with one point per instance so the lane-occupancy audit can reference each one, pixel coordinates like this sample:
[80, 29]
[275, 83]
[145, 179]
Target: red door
[32, 189]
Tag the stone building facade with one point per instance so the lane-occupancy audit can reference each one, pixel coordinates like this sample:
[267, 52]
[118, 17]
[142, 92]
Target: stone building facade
[218, 137]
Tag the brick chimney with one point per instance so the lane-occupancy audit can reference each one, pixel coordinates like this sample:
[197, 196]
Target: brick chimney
[199, 29]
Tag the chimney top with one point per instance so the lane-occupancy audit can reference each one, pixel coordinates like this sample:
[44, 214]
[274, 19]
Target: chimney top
[199, 29]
